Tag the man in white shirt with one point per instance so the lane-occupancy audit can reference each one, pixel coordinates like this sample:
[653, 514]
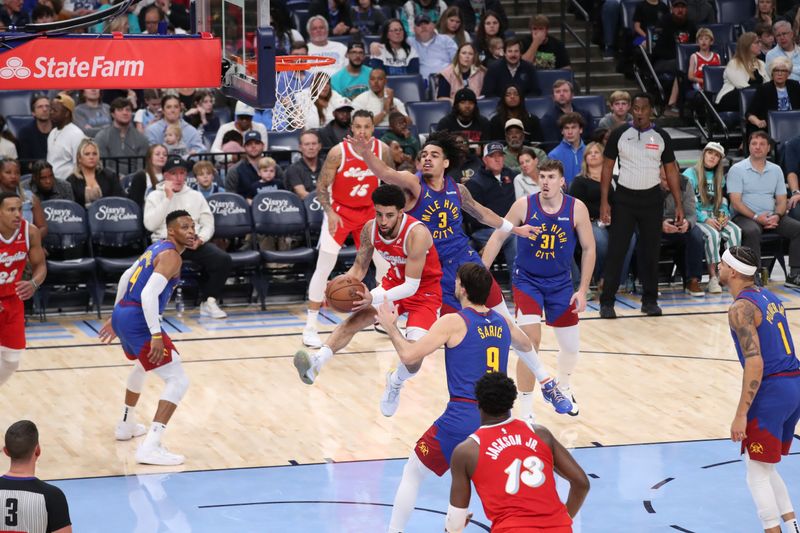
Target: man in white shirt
[243, 122]
[379, 100]
[64, 138]
[319, 45]
[785, 38]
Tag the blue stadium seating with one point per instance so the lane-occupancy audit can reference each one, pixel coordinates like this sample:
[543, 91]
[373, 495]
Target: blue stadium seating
[783, 125]
[427, 114]
[407, 87]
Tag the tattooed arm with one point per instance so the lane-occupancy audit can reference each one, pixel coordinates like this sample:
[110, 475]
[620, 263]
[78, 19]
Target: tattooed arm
[744, 317]
[364, 255]
[326, 177]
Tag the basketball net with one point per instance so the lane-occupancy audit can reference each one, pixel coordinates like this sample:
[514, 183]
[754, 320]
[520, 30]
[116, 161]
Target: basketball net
[297, 89]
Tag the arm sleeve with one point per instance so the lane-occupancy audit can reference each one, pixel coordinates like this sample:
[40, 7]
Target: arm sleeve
[57, 509]
[123, 283]
[150, 293]
[408, 288]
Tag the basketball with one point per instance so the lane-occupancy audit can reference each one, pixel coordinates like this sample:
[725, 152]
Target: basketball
[342, 291]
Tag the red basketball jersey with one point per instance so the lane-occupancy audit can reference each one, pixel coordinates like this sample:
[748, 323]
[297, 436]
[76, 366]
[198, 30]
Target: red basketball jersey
[354, 183]
[394, 251]
[515, 480]
[13, 257]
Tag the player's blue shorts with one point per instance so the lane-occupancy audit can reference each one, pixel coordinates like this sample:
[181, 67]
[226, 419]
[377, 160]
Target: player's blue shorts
[533, 295]
[459, 420]
[134, 335]
[772, 418]
[450, 264]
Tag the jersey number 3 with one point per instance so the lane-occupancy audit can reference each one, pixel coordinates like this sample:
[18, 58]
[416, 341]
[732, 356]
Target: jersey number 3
[11, 519]
[532, 475]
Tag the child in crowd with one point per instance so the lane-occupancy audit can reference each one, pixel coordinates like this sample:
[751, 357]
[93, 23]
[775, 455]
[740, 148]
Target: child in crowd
[619, 103]
[205, 179]
[713, 216]
[267, 171]
[496, 51]
[702, 58]
[151, 112]
[766, 39]
[172, 140]
[402, 161]
[400, 132]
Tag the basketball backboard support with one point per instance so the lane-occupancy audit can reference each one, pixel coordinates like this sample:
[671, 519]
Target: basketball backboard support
[248, 47]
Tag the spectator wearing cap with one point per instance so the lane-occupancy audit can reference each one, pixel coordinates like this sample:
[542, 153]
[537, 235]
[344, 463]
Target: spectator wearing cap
[515, 142]
[319, 45]
[465, 118]
[337, 13]
[563, 93]
[435, 51]
[512, 69]
[241, 176]
[242, 122]
[64, 138]
[379, 99]
[786, 38]
[674, 28]
[121, 139]
[337, 129]
[171, 108]
[493, 186]
[544, 50]
[512, 105]
[172, 194]
[413, 9]
[570, 150]
[353, 79]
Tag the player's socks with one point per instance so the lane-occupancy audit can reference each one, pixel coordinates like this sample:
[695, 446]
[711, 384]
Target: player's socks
[7, 369]
[310, 335]
[128, 428]
[793, 526]
[311, 318]
[153, 438]
[525, 404]
[401, 375]
[321, 357]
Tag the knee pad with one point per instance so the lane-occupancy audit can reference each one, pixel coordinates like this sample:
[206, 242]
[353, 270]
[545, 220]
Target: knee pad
[569, 340]
[758, 481]
[176, 382]
[528, 320]
[136, 378]
[10, 357]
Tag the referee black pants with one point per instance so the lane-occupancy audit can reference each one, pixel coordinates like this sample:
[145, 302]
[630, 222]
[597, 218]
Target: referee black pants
[630, 210]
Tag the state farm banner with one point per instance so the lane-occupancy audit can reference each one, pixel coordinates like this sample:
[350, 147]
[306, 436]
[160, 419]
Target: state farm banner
[112, 62]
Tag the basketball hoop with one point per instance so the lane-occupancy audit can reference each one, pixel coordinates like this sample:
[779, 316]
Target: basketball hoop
[298, 83]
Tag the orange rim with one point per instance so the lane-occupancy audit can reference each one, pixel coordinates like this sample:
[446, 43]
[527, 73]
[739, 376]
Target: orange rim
[295, 63]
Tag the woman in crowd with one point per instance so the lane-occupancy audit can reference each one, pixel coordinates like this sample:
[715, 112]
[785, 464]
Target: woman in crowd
[393, 53]
[452, 26]
[491, 26]
[586, 188]
[90, 181]
[778, 94]
[31, 207]
[527, 181]
[45, 185]
[713, 216]
[512, 105]
[146, 180]
[743, 70]
[201, 114]
[464, 71]
[321, 112]
[281, 24]
[765, 14]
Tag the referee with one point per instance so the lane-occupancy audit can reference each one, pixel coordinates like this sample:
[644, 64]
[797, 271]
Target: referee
[642, 148]
[26, 503]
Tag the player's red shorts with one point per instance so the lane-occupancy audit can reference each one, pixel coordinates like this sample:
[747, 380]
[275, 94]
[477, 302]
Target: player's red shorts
[429, 451]
[143, 358]
[12, 323]
[528, 529]
[353, 221]
[773, 417]
[422, 308]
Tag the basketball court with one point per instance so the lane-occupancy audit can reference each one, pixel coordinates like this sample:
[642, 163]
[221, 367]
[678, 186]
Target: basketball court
[265, 452]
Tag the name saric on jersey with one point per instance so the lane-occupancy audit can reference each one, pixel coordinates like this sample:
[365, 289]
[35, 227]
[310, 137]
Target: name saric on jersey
[490, 331]
[507, 441]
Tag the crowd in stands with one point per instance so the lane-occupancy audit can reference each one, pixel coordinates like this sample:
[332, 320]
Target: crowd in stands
[86, 145]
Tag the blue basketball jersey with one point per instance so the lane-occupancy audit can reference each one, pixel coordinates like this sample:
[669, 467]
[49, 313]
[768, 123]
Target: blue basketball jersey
[440, 211]
[777, 348]
[144, 269]
[483, 349]
[549, 253]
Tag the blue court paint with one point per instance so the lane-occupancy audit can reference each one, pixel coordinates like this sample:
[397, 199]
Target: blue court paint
[688, 486]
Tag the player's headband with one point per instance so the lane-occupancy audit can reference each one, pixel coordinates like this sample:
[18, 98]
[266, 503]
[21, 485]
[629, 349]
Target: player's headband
[738, 266]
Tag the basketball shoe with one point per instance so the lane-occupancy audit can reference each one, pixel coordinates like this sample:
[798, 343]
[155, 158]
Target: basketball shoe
[553, 395]
[158, 455]
[567, 392]
[390, 400]
[304, 363]
[128, 430]
[311, 337]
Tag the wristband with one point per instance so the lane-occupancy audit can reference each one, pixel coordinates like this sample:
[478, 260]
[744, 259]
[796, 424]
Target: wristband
[155, 335]
[796, 191]
[35, 285]
[755, 217]
[506, 226]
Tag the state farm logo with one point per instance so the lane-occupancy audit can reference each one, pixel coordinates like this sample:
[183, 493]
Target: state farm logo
[14, 69]
[52, 68]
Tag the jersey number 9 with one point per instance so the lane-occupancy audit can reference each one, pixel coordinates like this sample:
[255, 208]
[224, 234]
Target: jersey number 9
[492, 359]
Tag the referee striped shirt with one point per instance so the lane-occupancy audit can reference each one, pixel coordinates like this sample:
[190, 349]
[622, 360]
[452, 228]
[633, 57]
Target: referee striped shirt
[640, 154]
[31, 505]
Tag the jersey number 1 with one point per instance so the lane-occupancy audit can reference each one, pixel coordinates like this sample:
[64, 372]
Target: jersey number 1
[532, 476]
[785, 339]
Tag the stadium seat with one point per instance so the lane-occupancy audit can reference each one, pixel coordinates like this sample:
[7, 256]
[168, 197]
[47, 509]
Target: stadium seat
[407, 87]
[224, 114]
[628, 9]
[117, 237]
[487, 107]
[69, 252]
[712, 77]
[783, 125]
[745, 97]
[300, 18]
[539, 106]
[723, 34]
[731, 49]
[282, 214]
[233, 221]
[734, 11]
[595, 104]
[546, 78]
[369, 39]
[298, 4]
[15, 123]
[284, 140]
[344, 39]
[427, 114]
[15, 102]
